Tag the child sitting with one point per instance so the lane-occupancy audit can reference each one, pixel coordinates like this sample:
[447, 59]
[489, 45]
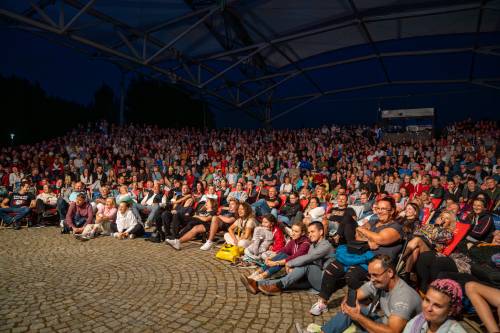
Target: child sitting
[263, 238]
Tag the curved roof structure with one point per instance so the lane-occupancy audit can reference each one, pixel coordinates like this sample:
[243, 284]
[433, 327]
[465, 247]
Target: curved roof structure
[269, 58]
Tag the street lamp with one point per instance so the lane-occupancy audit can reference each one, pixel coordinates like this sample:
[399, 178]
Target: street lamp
[12, 135]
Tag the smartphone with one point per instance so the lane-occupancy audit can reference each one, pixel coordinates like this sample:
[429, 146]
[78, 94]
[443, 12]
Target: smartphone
[351, 297]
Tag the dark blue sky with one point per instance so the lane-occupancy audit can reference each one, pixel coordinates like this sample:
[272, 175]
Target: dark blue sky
[68, 74]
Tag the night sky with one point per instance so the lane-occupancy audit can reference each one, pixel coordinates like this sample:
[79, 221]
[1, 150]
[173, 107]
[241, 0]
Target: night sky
[71, 75]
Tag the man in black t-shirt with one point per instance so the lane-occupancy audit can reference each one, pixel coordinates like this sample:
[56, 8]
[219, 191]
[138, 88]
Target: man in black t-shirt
[269, 178]
[17, 206]
[269, 205]
[342, 221]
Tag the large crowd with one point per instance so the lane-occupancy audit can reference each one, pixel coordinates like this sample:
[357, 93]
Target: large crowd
[409, 227]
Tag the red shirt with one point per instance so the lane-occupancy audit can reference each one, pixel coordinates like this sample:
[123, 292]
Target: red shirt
[278, 239]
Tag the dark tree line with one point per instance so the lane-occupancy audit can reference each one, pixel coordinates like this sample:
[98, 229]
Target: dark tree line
[32, 115]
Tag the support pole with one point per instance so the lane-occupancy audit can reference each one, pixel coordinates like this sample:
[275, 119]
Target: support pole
[121, 119]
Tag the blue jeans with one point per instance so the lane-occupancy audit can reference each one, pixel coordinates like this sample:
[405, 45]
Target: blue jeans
[152, 210]
[79, 221]
[275, 269]
[311, 275]
[62, 208]
[260, 207]
[284, 219]
[340, 322]
[19, 213]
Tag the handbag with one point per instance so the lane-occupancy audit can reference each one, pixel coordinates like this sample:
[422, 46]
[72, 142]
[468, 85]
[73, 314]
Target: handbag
[229, 252]
[357, 247]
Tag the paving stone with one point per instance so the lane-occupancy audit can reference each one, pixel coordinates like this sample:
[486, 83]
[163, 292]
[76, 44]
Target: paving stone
[53, 283]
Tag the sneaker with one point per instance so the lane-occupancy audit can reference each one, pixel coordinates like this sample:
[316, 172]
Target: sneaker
[131, 236]
[318, 308]
[16, 225]
[81, 237]
[61, 224]
[313, 328]
[254, 275]
[175, 243]
[207, 246]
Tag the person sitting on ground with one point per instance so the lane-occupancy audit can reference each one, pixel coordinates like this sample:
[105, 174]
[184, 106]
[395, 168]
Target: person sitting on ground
[127, 224]
[441, 303]
[17, 206]
[44, 201]
[197, 224]
[267, 239]
[398, 301]
[79, 215]
[104, 221]
[99, 199]
[297, 246]
[240, 232]
[308, 267]
[67, 198]
[175, 215]
[221, 221]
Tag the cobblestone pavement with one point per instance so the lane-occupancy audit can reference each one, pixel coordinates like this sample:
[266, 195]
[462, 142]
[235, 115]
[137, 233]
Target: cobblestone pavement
[51, 282]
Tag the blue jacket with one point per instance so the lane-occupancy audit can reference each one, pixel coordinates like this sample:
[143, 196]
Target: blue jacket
[348, 259]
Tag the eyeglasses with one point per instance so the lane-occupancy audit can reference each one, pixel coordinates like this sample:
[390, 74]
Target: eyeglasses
[375, 275]
[385, 209]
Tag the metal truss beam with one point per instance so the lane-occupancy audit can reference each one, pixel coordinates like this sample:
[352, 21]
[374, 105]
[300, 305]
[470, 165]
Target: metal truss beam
[240, 32]
[476, 39]
[367, 35]
[80, 12]
[369, 57]
[148, 39]
[230, 67]
[251, 98]
[182, 34]
[128, 43]
[393, 12]
[105, 49]
[42, 14]
[291, 61]
[313, 97]
[178, 19]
